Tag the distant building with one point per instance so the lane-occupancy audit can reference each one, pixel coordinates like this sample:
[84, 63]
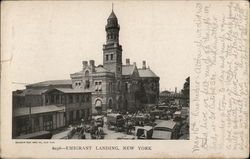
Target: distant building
[175, 98]
[186, 92]
[171, 98]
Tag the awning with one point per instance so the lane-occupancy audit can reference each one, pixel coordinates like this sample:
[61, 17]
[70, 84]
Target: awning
[37, 110]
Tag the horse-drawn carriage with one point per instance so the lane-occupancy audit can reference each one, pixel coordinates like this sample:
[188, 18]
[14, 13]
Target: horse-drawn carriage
[115, 122]
[98, 120]
[144, 132]
[97, 133]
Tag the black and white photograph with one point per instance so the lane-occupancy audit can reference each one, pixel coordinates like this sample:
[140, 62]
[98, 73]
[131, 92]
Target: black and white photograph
[124, 79]
[133, 88]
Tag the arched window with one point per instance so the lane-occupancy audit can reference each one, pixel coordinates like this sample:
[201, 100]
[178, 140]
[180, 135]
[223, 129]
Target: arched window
[87, 73]
[110, 104]
[87, 84]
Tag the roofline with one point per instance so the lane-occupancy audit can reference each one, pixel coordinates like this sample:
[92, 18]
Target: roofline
[48, 81]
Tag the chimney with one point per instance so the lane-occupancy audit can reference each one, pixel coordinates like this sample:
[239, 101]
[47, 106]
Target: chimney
[92, 65]
[143, 64]
[84, 64]
[127, 62]
[175, 90]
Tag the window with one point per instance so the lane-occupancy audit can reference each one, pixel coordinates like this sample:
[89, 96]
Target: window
[48, 122]
[23, 125]
[70, 99]
[107, 57]
[111, 57]
[110, 104]
[52, 99]
[152, 86]
[87, 84]
[77, 83]
[36, 124]
[110, 87]
[57, 99]
[82, 98]
[87, 73]
[87, 98]
[119, 85]
[98, 86]
[77, 98]
[46, 100]
[63, 99]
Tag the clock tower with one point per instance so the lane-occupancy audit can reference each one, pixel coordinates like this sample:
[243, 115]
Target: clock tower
[112, 50]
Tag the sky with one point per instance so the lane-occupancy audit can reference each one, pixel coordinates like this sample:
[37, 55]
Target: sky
[49, 40]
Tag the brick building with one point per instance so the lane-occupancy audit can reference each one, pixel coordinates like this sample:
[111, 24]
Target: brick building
[114, 85]
[52, 104]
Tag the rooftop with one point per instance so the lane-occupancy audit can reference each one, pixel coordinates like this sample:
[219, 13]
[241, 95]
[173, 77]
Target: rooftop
[146, 72]
[101, 69]
[128, 69]
[19, 93]
[34, 91]
[98, 69]
[69, 90]
[166, 124]
[51, 82]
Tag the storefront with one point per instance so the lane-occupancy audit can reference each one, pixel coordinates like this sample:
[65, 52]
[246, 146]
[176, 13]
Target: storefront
[33, 119]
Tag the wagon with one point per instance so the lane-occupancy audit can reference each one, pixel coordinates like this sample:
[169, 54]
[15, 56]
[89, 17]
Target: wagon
[165, 130]
[115, 121]
[144, 132]
[99, 120]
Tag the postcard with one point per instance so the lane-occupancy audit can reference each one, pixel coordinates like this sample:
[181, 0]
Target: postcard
[124, 79]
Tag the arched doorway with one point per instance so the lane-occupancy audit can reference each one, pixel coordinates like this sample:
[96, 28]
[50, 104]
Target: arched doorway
[98, 106]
